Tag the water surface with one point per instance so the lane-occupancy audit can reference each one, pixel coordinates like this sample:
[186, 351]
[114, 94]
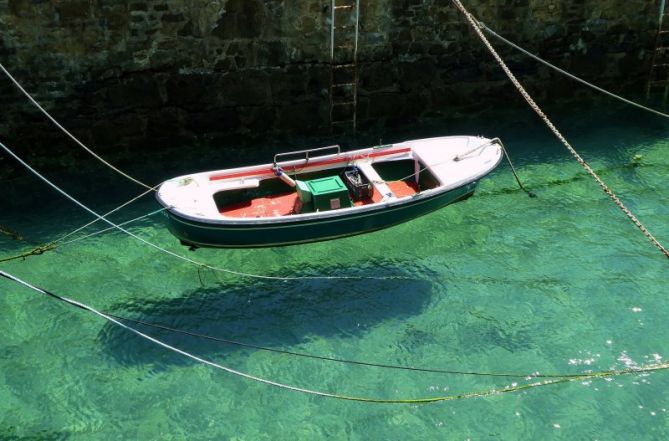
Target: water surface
[562, 283]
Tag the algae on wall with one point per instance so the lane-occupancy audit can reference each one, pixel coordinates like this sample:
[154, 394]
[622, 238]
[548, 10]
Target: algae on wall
[159, 72]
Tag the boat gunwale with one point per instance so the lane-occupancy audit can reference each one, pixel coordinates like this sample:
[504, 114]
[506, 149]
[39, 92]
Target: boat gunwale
[322, 216]
[344, 157]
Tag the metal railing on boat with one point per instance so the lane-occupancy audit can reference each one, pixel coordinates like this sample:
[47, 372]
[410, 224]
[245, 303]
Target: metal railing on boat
[307, 152]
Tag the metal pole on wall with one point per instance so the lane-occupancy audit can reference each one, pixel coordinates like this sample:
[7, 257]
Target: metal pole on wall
[662, 5]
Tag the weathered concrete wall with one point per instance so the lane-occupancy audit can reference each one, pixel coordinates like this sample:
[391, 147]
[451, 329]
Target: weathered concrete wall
[158, 72]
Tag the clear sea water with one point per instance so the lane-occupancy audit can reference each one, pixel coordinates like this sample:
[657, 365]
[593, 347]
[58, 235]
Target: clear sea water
[562, 283]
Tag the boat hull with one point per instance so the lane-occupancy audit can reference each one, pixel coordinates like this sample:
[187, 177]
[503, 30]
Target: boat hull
[253, 235]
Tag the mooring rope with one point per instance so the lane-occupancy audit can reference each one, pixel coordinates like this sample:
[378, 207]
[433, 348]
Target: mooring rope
[11, 233]
[37, 251]
[508, 160]
[173, 254]
[478, 29]
[125, 204]
[64, 130]
[104, 230]
[570, 75]
[50, 246]
[515, 173]
[341, 360]
[480, 394]
[460, 158]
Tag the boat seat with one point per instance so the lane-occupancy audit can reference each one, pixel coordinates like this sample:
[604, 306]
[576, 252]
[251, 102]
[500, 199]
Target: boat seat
[376, 180]
[235, 184]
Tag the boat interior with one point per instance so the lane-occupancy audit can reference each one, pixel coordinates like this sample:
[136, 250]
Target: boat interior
[362, 183]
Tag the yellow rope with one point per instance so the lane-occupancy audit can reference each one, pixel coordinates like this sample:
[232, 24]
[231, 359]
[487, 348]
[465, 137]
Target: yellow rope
[34, 252]
[9, 232]
[40, 249]
[508, 389]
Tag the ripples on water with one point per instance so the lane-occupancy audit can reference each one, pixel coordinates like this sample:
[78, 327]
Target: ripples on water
[501, 282]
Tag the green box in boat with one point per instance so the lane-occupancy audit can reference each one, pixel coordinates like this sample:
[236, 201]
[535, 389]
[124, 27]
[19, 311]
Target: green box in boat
[328, 193]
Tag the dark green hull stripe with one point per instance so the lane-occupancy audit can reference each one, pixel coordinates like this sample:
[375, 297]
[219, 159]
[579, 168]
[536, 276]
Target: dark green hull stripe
[311, 230]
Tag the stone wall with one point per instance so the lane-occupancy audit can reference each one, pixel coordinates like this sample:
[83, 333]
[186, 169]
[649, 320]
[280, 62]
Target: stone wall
[168, 72]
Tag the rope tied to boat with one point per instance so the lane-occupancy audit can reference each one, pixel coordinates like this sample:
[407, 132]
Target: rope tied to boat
[174, 254]
[515, 173]
[462, 156]
[508, 160]
[41, 249]
[478, 28]
[34, 252]
[38, 250]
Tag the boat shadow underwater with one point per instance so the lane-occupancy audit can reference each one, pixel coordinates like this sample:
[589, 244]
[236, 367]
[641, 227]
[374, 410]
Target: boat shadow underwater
[269, 313]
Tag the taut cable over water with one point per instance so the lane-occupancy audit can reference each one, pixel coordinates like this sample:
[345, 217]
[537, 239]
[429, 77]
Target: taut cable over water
[70, 135]
[480, 394]
[478, 29]
[41, 249]
[172, 253]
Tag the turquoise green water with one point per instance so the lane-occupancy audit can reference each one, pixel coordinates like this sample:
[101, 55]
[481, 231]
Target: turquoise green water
[499, 283]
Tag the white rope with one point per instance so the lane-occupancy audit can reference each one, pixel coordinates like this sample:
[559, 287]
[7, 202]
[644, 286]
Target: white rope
[477, 28]
[105, 215]
[167, 346]
[259, 379]
[171, 253]
[96, 233]
[567, 74]
[64, 130]
[486, 393]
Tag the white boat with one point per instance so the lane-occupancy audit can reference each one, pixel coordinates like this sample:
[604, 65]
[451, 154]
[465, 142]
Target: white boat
[319, 195]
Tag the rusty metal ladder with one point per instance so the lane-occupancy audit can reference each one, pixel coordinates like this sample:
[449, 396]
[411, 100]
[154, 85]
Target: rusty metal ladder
[658, 76]
[344, 31]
